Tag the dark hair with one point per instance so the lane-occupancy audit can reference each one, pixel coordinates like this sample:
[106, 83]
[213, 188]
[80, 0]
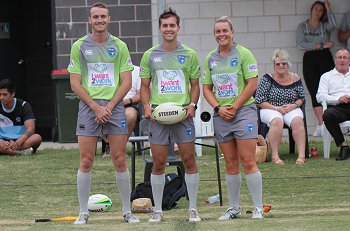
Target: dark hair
[99, 5]
[324, 15]
[167, 14]
[7, 84]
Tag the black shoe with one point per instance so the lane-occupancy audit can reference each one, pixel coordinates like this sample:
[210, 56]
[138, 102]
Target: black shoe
[344, 153]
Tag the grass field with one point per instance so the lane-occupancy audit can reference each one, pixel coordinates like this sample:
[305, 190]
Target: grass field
[311, 197]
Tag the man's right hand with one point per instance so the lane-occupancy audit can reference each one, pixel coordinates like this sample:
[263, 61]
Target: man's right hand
[103, 114]
[148, 112]
[344, 99]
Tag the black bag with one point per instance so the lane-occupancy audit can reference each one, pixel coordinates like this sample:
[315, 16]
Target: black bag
[174, 189]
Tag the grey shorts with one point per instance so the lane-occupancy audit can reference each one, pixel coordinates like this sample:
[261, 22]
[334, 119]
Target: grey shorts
[243, 126]
[181, 132]
[86, 125]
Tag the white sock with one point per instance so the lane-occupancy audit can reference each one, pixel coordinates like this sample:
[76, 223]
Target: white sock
[254, 183]
[192, 181]
[233, 183]
[123, 183]
[157, 182]
[84, 185]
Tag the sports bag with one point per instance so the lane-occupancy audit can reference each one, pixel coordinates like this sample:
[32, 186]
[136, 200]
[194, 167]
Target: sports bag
[174, 189]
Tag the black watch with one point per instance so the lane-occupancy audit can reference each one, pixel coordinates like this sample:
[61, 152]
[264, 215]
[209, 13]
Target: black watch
[193, 105]
[216, 109]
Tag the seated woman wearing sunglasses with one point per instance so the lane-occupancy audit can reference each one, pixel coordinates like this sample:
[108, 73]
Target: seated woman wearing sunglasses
[280, 95]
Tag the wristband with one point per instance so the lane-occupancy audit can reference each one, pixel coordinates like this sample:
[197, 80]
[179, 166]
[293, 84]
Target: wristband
[216, 109]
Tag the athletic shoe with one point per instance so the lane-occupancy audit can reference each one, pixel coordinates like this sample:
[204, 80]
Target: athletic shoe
[28, 151]
[130, 218]
[156, 217]
[82, 219]
[193, 215]
[318, 131]
[231, 213]
[258, 213]
[348, 132]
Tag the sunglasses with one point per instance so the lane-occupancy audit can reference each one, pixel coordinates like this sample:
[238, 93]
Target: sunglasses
[283, 63]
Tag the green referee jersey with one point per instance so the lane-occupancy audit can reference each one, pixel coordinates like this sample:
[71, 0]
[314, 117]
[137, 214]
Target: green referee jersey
[229, 73]
[170, 73]
[100, 65]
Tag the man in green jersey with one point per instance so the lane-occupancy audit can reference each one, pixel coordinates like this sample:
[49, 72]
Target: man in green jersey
[173, 69]
[100, 74]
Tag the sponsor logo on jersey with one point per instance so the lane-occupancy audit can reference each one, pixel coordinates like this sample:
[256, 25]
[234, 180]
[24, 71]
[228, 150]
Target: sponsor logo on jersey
[233, 62]
[212, 64]
[252, 67]
[89, 52]
[169, 75]
[129, 61]
[111, 51]
[181, 59]
[157, 59]
[71, 63]
[18, 119]
[222, 79]
[100, 67]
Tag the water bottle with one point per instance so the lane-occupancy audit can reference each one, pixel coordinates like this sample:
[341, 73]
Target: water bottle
[314, 152]
[212, 199]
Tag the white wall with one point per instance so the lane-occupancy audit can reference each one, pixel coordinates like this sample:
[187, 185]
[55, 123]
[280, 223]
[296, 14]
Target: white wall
[260, 25]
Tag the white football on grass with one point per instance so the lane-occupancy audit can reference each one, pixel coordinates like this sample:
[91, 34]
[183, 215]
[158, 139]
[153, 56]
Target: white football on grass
[99, 203]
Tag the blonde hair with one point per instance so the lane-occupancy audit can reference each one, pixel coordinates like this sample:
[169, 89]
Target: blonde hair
[224, 19]
[282, 54]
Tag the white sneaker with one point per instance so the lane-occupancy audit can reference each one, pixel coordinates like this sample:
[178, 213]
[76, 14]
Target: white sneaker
[231, 213]
[82, 219]
[156, 217]
[318, 131]
[130, 218]
[193, 215]
[258, 213]
[28, 151]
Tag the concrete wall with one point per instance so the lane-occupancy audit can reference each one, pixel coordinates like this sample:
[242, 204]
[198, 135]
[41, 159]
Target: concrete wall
[130, 21]
[261, 25]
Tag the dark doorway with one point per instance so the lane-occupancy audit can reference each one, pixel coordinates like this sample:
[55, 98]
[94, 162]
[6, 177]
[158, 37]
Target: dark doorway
[26, 56]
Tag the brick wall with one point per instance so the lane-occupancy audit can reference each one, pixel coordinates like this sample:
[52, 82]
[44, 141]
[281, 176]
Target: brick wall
[130, 21]
[260, 25]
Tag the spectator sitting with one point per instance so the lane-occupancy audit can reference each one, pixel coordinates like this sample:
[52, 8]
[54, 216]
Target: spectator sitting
[335, 92]
[280, 95]
[344, 30]
[17, 123]
[130, 101]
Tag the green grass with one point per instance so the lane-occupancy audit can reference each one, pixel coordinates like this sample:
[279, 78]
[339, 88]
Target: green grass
[311, 197]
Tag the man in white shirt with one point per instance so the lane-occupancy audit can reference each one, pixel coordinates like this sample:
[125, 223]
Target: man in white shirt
[334, 90]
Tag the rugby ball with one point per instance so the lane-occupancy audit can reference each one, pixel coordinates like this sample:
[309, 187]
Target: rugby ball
[169, 113]
[99, 203]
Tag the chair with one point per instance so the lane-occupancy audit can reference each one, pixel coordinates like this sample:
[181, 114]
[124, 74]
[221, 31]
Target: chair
[327, 136]
[263, 129]
[136, 128]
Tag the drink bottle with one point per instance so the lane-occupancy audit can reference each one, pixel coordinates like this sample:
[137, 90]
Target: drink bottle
[212, 199]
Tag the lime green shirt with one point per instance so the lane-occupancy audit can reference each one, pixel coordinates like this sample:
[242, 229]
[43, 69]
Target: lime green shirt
[229, 73]
[170, 73]
[100, 65]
